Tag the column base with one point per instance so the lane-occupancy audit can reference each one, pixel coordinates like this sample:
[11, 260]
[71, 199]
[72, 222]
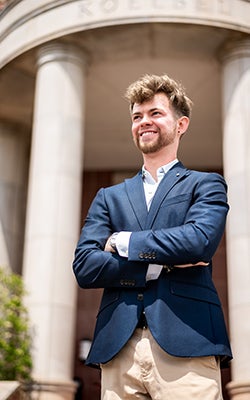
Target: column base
[239, 390]
[52, 390]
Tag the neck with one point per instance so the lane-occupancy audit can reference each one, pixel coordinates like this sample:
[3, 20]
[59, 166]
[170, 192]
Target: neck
[154, 161]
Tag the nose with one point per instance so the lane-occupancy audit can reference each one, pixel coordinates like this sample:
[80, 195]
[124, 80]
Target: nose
[145, 120]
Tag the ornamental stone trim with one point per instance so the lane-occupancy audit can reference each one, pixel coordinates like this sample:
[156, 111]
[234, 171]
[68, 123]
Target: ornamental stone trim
[28, 24]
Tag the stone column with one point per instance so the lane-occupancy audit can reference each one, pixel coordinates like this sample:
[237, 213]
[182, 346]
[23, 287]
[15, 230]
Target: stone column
[53, 215]
[14, 149]
[236, 142]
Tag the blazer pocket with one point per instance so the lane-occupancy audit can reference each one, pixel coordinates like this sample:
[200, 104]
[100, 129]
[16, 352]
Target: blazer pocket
[177, 199]
[108, 298]
[195, 292]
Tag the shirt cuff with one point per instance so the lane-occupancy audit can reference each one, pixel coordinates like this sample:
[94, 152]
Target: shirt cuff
[153, 272]
[122, 243]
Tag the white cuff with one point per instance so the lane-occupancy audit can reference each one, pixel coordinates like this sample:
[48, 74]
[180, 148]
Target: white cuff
[122, 243]
[153, 272]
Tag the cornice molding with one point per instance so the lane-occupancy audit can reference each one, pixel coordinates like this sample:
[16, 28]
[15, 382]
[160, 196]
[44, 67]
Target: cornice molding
[26, 24]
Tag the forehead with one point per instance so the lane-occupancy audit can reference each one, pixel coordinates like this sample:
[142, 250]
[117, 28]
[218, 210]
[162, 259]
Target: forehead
[159, 100]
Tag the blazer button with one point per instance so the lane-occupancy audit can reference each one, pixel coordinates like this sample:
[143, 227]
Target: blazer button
[140, 296]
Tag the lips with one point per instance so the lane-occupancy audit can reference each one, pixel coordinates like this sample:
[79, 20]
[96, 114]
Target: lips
[147, 133]
[147, 136]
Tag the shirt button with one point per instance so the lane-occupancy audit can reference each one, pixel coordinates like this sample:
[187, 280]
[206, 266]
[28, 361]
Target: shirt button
[140, 296]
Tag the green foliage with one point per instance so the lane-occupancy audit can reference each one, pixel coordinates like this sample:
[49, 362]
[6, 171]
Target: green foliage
[15, 338]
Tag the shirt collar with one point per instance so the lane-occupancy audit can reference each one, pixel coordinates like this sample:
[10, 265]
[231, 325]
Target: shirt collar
[161, 171]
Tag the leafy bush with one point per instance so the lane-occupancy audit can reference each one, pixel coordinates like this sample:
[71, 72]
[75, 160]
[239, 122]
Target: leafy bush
[15, 338]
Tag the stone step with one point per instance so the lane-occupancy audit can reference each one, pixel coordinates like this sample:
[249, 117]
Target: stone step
[9, 390]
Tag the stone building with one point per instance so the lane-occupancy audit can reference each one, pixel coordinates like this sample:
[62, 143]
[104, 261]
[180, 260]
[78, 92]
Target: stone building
[65, 131]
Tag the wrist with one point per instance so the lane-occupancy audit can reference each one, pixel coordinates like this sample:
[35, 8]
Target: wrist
[112, 241]
[168, 268]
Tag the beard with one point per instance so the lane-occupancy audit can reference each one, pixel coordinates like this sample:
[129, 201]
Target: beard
[156, 145]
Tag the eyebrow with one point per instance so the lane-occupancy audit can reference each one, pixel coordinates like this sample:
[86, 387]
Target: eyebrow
[151, 109]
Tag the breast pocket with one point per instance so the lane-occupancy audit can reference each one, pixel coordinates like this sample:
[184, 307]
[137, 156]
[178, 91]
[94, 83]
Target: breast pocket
[180, 198]
[173, 210]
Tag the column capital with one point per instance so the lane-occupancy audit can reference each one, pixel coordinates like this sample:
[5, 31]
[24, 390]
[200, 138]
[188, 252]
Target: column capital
[58, 51]
[234, 49]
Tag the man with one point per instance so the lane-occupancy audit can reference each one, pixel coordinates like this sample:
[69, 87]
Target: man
[149, 242]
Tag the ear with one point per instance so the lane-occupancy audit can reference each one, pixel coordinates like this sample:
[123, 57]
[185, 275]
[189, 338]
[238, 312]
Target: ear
[182, 124]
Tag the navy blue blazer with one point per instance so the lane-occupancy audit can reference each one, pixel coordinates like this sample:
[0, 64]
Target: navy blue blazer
[185, 224]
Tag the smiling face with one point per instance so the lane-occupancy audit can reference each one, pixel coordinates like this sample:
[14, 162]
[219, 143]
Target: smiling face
[155, 125]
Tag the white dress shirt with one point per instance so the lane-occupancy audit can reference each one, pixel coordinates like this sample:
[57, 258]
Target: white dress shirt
[150, 187]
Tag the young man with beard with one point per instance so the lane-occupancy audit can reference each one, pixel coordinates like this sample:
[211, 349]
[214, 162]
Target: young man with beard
[149, 242]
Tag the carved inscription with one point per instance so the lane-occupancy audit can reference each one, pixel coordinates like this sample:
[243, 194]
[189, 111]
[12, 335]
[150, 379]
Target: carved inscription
[204, 5]
[91, 8]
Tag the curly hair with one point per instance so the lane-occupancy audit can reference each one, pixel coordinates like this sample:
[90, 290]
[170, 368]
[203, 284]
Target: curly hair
[148, 85]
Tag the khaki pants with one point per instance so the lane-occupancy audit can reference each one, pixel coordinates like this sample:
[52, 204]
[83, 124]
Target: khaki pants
[142, 370]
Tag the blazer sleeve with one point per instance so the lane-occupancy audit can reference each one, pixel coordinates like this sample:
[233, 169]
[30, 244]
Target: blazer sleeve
[94, 267]
[197, 238]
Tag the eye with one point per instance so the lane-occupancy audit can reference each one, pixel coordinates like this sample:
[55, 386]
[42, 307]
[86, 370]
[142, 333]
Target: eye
[136, 118]
[156, 112]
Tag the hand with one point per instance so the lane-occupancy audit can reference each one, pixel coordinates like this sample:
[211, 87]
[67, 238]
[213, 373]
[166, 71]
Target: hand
[108, 246]
[198, 264]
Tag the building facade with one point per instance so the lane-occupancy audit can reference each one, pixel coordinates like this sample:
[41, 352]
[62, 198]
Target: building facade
[65, 132]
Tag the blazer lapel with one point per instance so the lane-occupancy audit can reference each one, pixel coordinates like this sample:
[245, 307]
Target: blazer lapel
[135, 192]
[172, 177]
